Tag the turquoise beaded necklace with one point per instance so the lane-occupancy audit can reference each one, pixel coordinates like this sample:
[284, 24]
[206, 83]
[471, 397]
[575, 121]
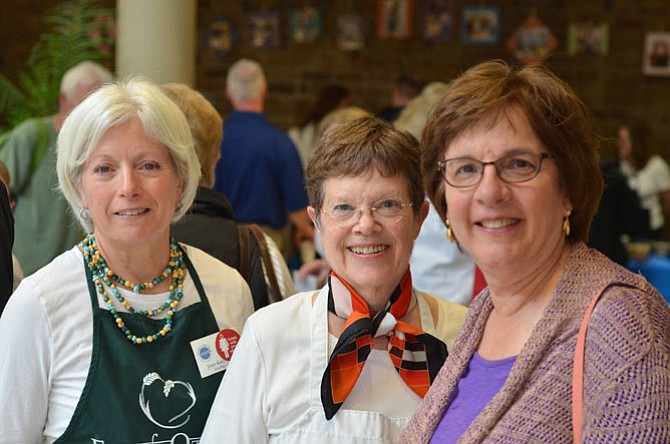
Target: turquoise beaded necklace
[101, 274]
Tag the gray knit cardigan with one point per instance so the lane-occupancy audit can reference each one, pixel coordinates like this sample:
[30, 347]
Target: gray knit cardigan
[626, 370]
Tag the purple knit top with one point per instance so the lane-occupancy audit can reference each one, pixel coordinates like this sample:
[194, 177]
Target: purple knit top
[481, 381]
[626, 368]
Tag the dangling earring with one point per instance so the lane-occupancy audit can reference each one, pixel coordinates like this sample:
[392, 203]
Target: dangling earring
[566, 222]
[84, 214]
[450, 234]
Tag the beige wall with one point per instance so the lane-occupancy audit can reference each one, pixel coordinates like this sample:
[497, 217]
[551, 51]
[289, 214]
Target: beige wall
[156, 38]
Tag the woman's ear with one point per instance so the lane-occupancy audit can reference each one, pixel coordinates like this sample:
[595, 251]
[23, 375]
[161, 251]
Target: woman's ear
[82, 196]
[425, 208]
[179, 191]
[567, 203]
[311, 211]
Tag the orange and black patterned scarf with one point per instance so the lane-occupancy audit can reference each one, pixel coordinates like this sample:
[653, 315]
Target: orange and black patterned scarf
[416, 355]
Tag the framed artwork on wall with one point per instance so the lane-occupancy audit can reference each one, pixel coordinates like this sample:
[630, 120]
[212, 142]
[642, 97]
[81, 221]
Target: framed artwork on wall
[656, 60]
[219, 38]
[533, 41]
[438, 20]
[588, 39]
[264, 30]
[306, 24]
[394, 19]
[350, 32]
[480, 25]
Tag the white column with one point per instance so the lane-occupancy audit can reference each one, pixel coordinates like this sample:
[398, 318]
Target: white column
[156, 38]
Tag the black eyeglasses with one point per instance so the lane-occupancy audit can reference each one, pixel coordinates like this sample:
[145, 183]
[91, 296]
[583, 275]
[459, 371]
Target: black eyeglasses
[463, 172]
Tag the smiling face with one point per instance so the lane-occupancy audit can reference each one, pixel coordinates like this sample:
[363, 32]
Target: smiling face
[370, 252]
[507, 227]
[130, 187]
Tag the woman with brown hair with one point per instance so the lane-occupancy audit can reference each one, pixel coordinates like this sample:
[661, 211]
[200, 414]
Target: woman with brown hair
[510, 163]
[348, 363]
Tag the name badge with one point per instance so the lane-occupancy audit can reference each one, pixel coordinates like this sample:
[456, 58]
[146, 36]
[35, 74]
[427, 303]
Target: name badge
[214, 352]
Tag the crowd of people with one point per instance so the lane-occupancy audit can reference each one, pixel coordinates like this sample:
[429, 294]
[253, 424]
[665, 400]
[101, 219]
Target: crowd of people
[150, 297]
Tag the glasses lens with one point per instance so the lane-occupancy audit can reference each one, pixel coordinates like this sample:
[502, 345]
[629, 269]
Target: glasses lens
[518, 167]
[388, 208]
[462, 172]
[342, 211]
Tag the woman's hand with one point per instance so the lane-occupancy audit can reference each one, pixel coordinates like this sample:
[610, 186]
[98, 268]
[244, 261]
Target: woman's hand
[318, 268]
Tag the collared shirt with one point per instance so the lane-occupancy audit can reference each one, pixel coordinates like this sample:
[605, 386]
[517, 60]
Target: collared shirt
[259, 170]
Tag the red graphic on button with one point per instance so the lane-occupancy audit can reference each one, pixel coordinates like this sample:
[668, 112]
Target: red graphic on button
[226, 341]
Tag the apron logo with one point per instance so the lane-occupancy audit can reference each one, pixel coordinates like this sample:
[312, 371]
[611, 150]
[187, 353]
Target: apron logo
[165, 404]
[205, 352]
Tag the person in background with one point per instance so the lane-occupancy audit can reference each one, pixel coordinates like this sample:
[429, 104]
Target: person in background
[619, 214]
[44, 226]
[260, 170]
[405, 88]
[17, 271]
[349, 363]
[210, 222]
[126, 324]
[338, 116]
[510, 162]
[304, 136]
[647, 173]
[438, 266]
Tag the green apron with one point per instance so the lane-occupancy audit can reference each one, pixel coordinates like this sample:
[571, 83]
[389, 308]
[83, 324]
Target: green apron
[147, 393]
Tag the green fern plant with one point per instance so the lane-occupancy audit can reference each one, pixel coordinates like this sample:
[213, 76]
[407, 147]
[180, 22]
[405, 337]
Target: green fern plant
[76, 34]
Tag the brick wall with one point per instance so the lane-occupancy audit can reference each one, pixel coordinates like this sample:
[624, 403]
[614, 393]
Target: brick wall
[612, 85]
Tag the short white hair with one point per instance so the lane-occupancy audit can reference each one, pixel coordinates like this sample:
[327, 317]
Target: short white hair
[114, 104]
[85, 74]
[245, 81]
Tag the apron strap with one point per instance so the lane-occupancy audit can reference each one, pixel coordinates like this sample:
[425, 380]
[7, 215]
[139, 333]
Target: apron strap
[92, 292]
[198, 285]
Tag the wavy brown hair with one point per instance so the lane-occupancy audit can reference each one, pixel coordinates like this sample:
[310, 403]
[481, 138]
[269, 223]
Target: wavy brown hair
[558, 117]
[354, 147]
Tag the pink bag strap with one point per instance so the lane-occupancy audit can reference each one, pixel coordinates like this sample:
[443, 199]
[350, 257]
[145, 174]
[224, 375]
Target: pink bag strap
[578, 363]
[578, 373]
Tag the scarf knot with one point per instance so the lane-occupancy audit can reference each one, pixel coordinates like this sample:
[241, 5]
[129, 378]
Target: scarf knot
[417, 356]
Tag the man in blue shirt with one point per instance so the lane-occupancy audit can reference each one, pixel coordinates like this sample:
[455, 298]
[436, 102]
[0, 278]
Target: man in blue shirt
[260, 169]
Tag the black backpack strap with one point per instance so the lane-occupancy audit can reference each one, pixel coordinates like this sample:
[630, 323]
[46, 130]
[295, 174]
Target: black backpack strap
[243, 236]
[276, 294]
[250, 266]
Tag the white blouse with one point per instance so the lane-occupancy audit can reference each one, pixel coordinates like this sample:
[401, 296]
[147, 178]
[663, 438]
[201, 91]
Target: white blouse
[271, 391]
